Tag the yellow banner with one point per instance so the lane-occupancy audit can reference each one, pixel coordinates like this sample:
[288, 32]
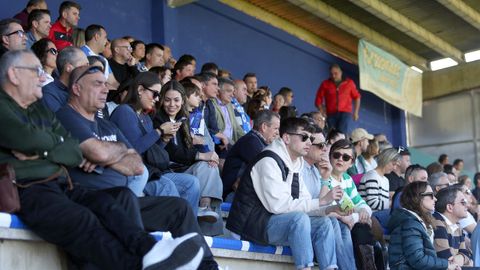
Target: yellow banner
[389, 78]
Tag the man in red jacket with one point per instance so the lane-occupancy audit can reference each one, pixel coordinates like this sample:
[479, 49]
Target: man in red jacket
[338, 93]
[61, 31]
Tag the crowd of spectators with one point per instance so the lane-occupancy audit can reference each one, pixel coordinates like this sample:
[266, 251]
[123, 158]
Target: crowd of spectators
[112, 139]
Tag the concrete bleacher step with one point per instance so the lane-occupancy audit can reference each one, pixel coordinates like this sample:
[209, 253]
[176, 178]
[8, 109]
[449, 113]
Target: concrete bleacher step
[21, 249]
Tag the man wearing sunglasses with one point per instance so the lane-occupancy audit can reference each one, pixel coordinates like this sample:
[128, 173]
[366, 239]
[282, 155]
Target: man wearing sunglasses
[316, 172]
[450, 208]
[12, 35]
[273, 206]
[55, 94]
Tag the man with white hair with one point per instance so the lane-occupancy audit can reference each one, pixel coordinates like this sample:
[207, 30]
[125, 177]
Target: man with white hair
[104, 227]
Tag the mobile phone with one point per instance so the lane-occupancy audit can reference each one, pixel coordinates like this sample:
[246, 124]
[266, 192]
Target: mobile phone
[183, 119]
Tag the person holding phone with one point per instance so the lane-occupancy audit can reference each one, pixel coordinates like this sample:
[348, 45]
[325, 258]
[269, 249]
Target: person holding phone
[180, 147]
[133, 120]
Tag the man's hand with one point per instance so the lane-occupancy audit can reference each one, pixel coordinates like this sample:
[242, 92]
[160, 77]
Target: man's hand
[334, 194]
[325, 168]
[22, 156]
[355, 116]
[87, 166]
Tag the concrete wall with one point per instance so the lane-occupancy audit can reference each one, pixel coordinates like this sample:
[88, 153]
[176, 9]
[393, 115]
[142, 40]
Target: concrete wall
[449, 125]
[212, 31]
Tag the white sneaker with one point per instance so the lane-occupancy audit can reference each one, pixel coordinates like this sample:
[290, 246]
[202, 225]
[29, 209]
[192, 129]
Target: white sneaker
[206, 214]
[179, 253]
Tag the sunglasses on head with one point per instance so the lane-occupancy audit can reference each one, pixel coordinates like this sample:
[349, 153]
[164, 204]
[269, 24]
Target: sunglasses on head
[155, 93]
[303, 137]
[90, 70]
[53, 51]
[427, 194]
[345, 157]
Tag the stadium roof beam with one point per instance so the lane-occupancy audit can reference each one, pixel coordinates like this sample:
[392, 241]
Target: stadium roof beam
[463, 10]
[409, 27]
[354, 27]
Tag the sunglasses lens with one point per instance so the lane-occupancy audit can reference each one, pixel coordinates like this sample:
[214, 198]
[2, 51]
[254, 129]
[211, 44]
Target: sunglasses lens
[346, 157]
[336, 155]
[53, 51]
[305, 137]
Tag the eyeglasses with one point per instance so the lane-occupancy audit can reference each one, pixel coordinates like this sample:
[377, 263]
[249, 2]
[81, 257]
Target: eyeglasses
[462, 202]
[155, 93]
[304, 137]
[321, 145]
[20, 33]
[53, 51]
[427, 194]
[126, 47]
[39, 70]
[90, 70]
[345, 157]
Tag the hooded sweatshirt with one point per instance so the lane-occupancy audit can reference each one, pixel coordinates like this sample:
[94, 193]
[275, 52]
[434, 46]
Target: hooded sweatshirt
[274, 193]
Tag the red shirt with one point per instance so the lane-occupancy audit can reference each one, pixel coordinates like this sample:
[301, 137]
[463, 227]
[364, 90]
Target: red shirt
[60, 36]
[337, 99]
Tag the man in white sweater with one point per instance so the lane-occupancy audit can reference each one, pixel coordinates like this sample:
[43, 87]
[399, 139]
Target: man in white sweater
[273, 206]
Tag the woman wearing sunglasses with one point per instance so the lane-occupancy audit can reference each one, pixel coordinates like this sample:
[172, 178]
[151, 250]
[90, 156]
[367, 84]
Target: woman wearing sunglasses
[133, 120]
[411, 227]
[46, 51]
[356, 212]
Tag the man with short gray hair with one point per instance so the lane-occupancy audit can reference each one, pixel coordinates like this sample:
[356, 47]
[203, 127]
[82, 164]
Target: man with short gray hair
[103, 228]
[55, 94]
[265, 130]
[438, 181]
[224, 111]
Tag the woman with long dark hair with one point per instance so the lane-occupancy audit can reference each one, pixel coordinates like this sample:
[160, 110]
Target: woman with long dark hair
[46, 51]
[204, 165]
[133, 120]
[411, 227]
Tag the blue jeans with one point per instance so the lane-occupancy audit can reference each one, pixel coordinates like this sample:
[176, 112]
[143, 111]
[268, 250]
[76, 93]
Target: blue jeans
[343, 245]
[181, 185]
[340, 121]
[305, 235]
[137, 183]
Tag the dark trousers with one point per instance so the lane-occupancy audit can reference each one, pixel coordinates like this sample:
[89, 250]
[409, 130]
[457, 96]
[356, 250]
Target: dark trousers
[101, 227]
[340, 121]
[176, 216]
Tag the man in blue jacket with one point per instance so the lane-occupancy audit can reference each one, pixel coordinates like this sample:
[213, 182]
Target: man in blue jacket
[265, 130]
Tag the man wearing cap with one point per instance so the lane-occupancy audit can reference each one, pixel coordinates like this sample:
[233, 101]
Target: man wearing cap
[338, 93]
[359, 139]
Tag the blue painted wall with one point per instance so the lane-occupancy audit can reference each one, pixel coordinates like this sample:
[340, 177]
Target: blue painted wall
[237, 42]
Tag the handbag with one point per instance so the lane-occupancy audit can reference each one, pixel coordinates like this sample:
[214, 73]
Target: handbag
[9, 200]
